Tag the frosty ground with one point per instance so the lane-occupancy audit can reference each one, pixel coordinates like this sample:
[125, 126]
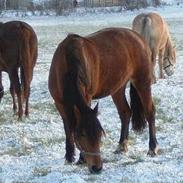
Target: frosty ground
[33, 150]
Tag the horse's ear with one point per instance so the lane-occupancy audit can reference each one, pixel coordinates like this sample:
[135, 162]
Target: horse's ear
[95, 110]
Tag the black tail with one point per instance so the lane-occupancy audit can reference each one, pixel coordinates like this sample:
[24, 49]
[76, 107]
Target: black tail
[22, 77]
[75, 76]
[138, 115]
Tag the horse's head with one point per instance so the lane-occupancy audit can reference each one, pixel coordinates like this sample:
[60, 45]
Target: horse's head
[169, 61]
[88, 139]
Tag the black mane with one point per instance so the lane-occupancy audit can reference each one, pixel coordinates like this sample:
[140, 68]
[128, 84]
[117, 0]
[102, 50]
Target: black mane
[91, 125]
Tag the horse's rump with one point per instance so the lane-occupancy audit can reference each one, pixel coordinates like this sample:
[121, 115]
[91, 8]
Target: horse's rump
[18, 48]
[154, 29]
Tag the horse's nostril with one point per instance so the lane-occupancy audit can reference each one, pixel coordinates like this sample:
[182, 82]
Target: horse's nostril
[95, 169]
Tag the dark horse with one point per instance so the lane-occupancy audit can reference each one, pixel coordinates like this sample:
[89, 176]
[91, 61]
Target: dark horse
[95, 66]
[18, 54]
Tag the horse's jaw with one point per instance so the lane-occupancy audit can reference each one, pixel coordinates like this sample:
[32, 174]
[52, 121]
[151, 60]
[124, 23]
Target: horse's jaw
[170, 70]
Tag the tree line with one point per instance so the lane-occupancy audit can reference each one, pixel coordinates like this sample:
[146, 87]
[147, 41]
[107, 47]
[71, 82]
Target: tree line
[61, 6]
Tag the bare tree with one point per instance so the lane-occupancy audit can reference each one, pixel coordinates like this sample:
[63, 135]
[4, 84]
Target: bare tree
[61, 6]
[156, 2]
[5, 4]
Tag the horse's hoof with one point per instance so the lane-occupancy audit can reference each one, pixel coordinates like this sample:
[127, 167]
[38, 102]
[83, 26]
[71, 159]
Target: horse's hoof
[162, 77]
[15, 113]
[20, 118]
[26, 114]
[122, 148]
[154, 81]
[68, 162]
[80, 162]
[69, 159]
[154, 152]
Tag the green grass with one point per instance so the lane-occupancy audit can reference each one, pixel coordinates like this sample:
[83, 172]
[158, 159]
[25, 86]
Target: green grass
[45, 107]
[41, 171]
[16, 151]
[135, 160]
[49, 141]
[160, 113]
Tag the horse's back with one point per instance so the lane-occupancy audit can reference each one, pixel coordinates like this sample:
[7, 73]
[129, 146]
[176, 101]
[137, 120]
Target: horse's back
[108, 58]
[115, 45]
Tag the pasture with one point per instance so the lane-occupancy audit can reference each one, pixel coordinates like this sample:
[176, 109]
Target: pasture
[32, 150]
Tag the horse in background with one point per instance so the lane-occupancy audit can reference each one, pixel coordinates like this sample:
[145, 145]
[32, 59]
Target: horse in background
[18, 55]
[153, 28]
[93, 67]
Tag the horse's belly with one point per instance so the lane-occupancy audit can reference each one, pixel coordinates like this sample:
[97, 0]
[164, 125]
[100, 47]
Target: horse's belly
[109, 89]
[101, 95]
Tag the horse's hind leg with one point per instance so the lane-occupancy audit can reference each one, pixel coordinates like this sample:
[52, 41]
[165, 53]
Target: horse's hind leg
[124, 114]
[27, 103]
[26, 89]
[12, 91]
[15, 83]
[144, 91]
[65, 112]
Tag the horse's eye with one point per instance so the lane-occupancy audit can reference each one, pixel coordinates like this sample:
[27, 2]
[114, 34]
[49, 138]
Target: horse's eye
[83, 134]
[80, 134]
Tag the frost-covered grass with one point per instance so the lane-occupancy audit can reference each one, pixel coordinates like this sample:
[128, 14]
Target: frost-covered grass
[33, 150]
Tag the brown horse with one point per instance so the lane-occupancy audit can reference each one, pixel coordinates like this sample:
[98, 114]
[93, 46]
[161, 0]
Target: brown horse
[95, 66]
[155, 31]
[18, 52]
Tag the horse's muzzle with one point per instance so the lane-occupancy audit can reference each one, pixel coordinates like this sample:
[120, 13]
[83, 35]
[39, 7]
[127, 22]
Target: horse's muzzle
[169, 70]
[95, 170]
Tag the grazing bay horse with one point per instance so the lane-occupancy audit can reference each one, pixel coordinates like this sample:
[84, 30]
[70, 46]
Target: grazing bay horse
[153, 28]
[18, 55]
[93, 67]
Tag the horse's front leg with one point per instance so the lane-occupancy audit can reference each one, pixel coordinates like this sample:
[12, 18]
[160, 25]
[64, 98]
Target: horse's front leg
[67, 114]
[81, 159]
[124, 114]
[70, 148]
[1, 87]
